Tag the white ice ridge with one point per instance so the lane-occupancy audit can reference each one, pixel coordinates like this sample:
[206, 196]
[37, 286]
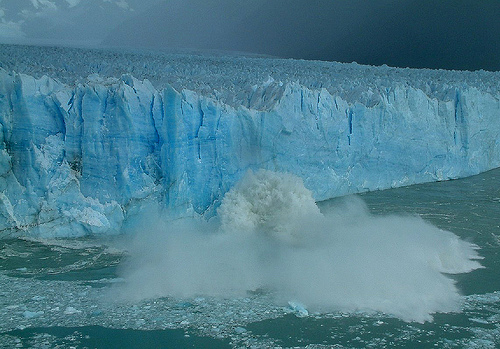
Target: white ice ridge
[79, 158]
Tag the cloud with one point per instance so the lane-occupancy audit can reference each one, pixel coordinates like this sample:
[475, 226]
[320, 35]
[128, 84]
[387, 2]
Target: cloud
[123, 5]
[44, 4]
[11, 30]
[64, 22]
[72, 3]
[39, 9]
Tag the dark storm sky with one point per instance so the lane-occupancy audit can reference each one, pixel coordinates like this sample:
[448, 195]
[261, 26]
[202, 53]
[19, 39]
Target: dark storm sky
[450, 34]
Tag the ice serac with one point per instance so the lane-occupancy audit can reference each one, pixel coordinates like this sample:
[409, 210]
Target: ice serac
[77, 160]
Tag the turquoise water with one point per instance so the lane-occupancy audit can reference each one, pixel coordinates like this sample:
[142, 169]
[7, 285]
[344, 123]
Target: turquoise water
[60, 293]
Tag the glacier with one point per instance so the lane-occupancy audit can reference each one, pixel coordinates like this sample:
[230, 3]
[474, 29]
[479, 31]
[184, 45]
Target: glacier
[86, 142]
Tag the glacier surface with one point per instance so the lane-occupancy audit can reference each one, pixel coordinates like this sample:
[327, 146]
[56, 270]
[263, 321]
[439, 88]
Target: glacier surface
[88, 138]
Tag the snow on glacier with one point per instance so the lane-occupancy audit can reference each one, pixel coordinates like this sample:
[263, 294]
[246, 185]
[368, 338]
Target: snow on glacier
[89, 137]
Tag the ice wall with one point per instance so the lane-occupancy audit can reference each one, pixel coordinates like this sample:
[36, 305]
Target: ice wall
[79, 159]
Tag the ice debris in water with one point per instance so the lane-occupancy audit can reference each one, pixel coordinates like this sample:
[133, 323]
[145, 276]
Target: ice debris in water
[233, 319]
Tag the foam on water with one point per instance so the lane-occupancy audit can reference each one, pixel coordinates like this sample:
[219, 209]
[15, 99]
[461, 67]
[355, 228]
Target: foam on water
[270, 235]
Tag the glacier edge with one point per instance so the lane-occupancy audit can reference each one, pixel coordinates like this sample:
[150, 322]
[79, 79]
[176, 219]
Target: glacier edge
[79, 160]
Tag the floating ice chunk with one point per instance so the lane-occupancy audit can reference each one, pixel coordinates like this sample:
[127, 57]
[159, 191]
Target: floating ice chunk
[240, 330]
[298, 309]
[71, 311]
[32, 314]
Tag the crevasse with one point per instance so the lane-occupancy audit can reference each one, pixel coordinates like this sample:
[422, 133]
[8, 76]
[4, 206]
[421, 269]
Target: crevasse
[77, 160]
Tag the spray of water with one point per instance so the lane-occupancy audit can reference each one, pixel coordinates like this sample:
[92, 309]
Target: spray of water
[270, 234]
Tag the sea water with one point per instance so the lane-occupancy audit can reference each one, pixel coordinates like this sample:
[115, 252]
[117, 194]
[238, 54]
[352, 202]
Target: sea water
[396, 268]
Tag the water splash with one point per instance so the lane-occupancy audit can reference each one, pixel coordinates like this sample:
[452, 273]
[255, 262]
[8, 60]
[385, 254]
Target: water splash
[270, 235]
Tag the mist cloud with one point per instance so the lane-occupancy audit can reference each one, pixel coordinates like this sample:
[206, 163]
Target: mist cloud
[270, 236]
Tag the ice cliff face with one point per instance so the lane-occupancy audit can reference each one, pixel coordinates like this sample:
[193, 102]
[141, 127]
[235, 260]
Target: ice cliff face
[79, 159]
